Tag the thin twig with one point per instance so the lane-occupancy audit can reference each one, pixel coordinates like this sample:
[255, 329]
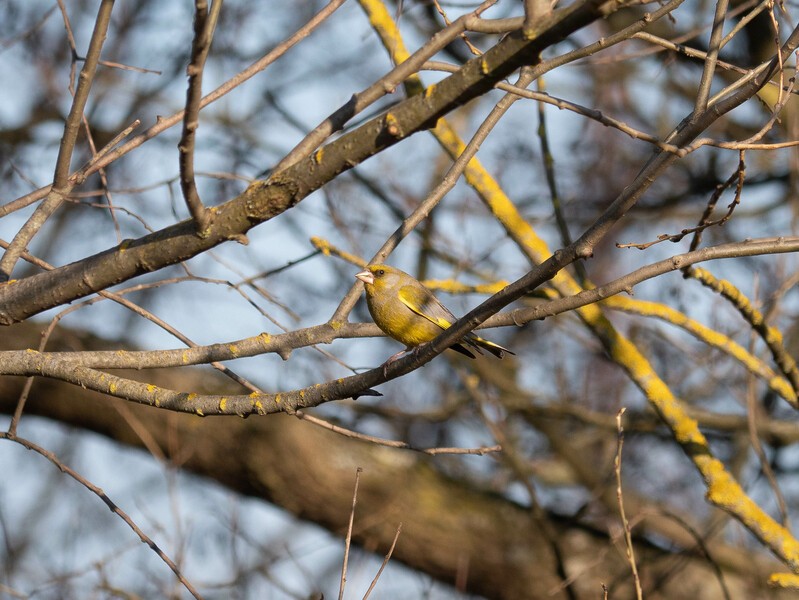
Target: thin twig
[562, 104]
[716, 34]
[119, 299]
[738, 178]
[393, 443]
[628, 539]
[548, 161]
[348, 540]
[472, 48]
[744, 21]
[385, 562]
[204, 26]
[108, 502]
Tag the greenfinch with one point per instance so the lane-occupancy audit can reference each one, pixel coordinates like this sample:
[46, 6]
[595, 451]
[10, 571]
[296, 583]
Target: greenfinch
[409, 312]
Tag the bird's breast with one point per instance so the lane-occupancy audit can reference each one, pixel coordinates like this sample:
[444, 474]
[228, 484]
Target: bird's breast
[400, 322]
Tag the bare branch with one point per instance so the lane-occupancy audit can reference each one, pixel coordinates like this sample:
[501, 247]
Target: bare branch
[710, 62]
[204, 26]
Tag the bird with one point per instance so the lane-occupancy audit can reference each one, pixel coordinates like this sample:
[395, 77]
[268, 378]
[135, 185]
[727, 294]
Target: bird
[405, 310]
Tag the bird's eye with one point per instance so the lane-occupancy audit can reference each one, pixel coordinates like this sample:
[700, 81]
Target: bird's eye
[381, 272]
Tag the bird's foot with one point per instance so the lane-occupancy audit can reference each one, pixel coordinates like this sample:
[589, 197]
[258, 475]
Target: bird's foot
[391, 359]
[400, 354]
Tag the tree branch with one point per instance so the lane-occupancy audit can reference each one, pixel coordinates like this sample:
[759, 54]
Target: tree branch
[263, 201]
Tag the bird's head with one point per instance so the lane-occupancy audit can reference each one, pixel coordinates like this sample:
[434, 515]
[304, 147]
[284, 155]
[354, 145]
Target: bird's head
[379, 277]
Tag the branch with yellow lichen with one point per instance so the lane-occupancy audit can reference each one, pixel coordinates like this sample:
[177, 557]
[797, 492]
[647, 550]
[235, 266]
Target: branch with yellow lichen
[770, 335]
[711, 337]
[283, 344]
[722, 489]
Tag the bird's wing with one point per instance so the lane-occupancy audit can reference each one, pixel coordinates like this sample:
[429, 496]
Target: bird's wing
[422, 301]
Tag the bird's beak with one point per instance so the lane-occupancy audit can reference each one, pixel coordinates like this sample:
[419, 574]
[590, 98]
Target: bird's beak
[366, 277]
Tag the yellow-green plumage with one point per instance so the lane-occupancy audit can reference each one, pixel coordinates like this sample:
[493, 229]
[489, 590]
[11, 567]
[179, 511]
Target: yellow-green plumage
[409, 312]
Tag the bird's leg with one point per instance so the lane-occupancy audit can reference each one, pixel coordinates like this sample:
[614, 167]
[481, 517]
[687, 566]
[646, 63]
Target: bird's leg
[393, 357]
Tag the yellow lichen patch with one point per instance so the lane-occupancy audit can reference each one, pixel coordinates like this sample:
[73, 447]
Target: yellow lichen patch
[625, 353]
[389, 33]
[222, 404]
[278, 399]
[265, 338]
[328, 249]
[726, 493]
[31, 351]
[199, 412]
[383, 23]
[485, 68]
[151, 388]
[784, 389]
[430, 90]
[185, 357]
[124, 245]
[335, 325]
[722, 489]
[787, 581]
[728, 290]
[255, 394]
[234, 349]
[112, 388]
[191, 397]
[319, 155]
[259, 407]
[321, 244]
[684, 428]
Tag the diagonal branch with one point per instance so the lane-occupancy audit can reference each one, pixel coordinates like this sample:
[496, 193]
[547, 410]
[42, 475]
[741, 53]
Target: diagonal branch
[79, 368]
[263, 201]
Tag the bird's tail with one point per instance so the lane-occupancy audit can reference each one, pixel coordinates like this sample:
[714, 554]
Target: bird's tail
[477, 343]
